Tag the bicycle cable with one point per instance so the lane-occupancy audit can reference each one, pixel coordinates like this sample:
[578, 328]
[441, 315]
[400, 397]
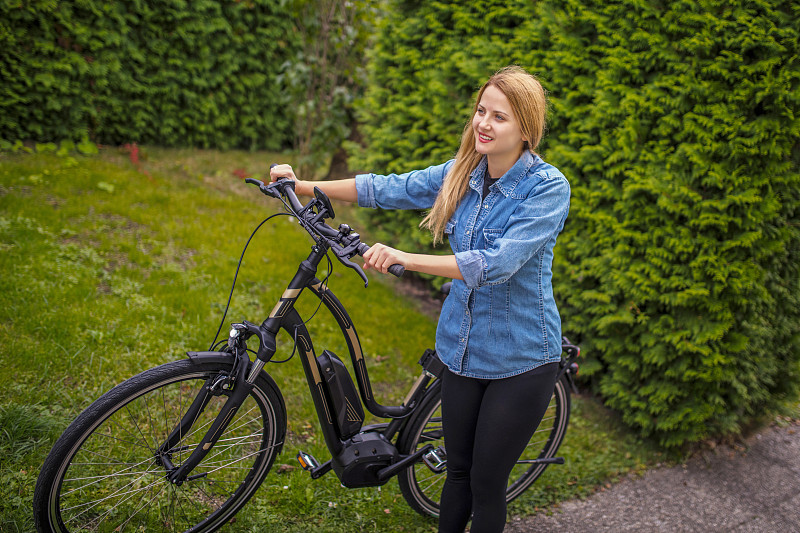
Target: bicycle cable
[236, 275]
[305, 226]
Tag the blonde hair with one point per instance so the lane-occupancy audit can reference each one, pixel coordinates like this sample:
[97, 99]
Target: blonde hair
[528, 103]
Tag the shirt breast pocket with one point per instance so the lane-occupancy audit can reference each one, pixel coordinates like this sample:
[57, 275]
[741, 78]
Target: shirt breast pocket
[491, 235]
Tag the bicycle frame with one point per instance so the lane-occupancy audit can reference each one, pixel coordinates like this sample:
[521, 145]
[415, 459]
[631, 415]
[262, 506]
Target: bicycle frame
[345, 450]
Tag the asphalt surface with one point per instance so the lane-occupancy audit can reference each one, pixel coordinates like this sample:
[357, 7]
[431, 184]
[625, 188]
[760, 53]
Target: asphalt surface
[751, 487]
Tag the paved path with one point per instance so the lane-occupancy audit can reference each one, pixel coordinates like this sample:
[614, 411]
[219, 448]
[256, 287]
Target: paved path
[753, 488]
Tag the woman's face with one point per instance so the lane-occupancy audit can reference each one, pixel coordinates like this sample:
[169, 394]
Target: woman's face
[497, 132]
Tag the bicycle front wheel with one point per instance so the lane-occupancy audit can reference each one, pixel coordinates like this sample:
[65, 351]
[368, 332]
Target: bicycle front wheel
[421, 484]
[105, 473]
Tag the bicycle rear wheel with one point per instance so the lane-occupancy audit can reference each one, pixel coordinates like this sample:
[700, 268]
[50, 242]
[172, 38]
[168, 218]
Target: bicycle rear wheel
[421, 484]
[104, 472]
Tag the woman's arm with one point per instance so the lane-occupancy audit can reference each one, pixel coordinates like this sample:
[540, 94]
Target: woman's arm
[338, 189]
[380, 257]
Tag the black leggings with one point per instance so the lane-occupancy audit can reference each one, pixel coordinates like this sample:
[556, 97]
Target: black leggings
[487, 423]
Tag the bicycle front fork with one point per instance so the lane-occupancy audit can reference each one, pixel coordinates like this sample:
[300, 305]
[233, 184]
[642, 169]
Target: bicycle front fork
[239, 388]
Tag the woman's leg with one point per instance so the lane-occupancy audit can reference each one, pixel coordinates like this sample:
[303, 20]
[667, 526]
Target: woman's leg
[461, 402]
[487, 424]
[510, 412]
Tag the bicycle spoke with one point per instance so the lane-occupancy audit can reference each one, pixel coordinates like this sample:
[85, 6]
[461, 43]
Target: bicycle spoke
[107, 457]
[100, 478]
[239, 441]
[118, 492]
[208, 496]
[123, 441]
[239, 459]
[195, 430]
[434, 478]
[121, 527]
[136, 440]
[150, 421]
[136, 424]
[180, 503]
[109, 476]
[95, 503]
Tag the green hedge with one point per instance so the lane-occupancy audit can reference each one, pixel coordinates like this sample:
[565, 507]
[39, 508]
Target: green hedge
[678, 126]
[174, 73]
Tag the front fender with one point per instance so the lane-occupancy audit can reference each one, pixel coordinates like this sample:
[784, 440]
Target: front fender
[211, 357]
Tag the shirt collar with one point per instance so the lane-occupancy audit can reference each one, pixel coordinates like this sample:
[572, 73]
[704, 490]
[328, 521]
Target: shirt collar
[508, 181]
[476, 177]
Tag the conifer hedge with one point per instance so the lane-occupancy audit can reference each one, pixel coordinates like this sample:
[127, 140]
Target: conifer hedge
[178, 73]
[678, 126]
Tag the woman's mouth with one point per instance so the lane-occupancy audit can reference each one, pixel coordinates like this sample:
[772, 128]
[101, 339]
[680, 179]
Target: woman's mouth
[484, 138]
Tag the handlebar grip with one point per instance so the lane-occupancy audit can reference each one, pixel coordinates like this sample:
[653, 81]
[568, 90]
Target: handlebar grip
[397, 270]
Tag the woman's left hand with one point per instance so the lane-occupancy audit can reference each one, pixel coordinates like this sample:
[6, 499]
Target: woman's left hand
[380, 257]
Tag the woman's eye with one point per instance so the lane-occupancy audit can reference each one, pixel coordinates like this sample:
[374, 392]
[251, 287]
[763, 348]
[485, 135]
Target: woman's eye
[500, 117]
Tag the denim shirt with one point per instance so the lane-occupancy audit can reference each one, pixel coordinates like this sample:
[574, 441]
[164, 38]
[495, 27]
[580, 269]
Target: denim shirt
[502, 319]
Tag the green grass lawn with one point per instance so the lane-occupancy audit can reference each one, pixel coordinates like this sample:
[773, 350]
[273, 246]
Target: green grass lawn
[111, 266]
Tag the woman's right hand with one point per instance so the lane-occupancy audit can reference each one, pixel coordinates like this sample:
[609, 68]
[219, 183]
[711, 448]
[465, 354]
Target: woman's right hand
[277, 172]
[337, 189]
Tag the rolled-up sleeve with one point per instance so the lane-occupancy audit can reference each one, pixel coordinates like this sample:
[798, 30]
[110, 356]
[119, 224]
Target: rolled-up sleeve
[412, 190]
[365, 190]
[534, 223]
[472, 265]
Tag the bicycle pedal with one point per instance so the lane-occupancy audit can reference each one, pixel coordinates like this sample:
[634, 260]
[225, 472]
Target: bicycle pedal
[436, 460]
[307, 461]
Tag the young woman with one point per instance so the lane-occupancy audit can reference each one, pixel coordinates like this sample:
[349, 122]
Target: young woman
[499, 334]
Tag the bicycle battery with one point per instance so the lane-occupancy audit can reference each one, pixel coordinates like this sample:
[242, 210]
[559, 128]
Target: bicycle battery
[342, 396]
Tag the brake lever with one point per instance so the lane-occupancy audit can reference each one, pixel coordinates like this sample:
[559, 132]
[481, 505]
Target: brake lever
[343, 255]
[346, 262]
[268, 190]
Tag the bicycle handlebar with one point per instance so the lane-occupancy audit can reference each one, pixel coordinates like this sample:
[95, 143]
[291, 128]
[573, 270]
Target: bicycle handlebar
[343, 241]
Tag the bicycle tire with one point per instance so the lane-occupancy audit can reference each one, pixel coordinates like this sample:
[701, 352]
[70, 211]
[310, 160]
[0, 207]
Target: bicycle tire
[102, 473]
[421, 486]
